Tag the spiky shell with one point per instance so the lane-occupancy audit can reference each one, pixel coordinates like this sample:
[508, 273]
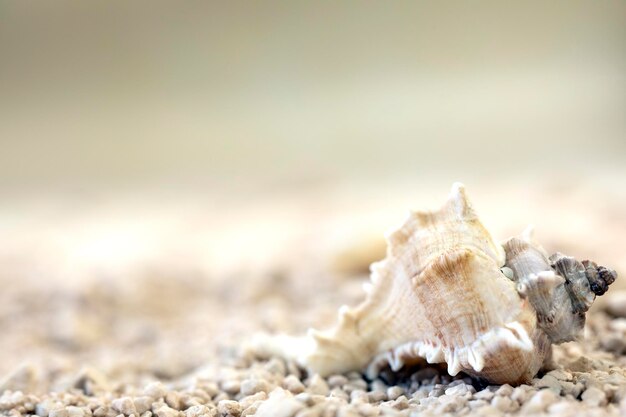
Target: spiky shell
[439, 295]
[447, 292]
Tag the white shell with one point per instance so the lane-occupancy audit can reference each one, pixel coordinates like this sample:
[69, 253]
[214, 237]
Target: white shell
[443, 293]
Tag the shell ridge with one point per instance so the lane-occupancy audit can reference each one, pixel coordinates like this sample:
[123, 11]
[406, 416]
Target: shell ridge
[475, 360]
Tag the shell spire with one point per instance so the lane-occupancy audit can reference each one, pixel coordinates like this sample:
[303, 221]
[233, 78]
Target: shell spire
[560, 288]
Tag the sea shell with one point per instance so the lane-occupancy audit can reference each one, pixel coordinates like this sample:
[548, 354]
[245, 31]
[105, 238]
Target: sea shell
[447, 292]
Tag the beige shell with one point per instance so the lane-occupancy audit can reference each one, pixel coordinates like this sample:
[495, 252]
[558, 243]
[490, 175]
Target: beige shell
[443, 293]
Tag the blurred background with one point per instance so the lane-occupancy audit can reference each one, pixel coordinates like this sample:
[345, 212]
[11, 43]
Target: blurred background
[151, 148]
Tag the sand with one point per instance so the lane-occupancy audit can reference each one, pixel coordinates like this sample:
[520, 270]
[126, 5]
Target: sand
[163, 334]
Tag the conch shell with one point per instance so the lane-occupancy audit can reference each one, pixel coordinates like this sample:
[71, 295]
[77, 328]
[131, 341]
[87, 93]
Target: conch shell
[447, 292]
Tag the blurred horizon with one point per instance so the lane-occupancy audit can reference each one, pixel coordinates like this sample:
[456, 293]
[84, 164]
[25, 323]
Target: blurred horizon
[278, 95]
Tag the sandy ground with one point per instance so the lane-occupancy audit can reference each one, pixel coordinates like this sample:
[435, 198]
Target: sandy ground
[139, 304]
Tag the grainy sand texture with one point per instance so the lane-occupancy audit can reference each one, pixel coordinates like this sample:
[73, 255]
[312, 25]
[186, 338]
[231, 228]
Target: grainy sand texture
[179, 177]
[142, 306]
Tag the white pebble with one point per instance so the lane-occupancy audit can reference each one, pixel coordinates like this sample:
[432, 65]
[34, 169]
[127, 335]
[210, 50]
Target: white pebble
[504, 404]
[124, 405]
[394, 392]
[485, 394]
[458, 390]
[155, 390]
[317, 385]
[473, 404]
[561, 375]
[594, 397]
[564, 408]
[43, 408]
[143, 403]
[280, 404]
[73, 411]
[505, 390]
[252, 386]
[337, 380]
[540, 401]
[173, 399]
[228, 408]
[165, 411]
[616, 303]
[231, 386]
[548, 381]
[59, 412]
[520, 395]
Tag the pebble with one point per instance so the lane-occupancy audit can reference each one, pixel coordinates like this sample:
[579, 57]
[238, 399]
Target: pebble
[276, 367]
[100, 411]
[43, 408]
[309, 412]
[279, 404]
[504, 404]
[564, 408]
[305, 398]
[348, 412]
[520, 394]
[337, 381]
[317, 385]
[550, 382]
[616, 303]
[143, 403]
[59, 412]
[73, 411]
[124, 405]
[293, 384]
[449, 403]
[573, 389]
[197, 411]
[173, 399]
[251, 410]
[231, 386]
[251, 399]
[436, 392]
[155, 390]
[561, 375]
[418, 395]
[252, 386]
[614, 343]
[428, 401]
[90, 381]
[539, 401]
[359, 396]
[10, 400]
[594, 397]
[165, 411]
[460, 389]
[229, 408]
[401, 403]
[473, 404]
[377, 396]
[487, 411]
[339, 393]
[505, 390]
[485, 394]
[394, 392]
